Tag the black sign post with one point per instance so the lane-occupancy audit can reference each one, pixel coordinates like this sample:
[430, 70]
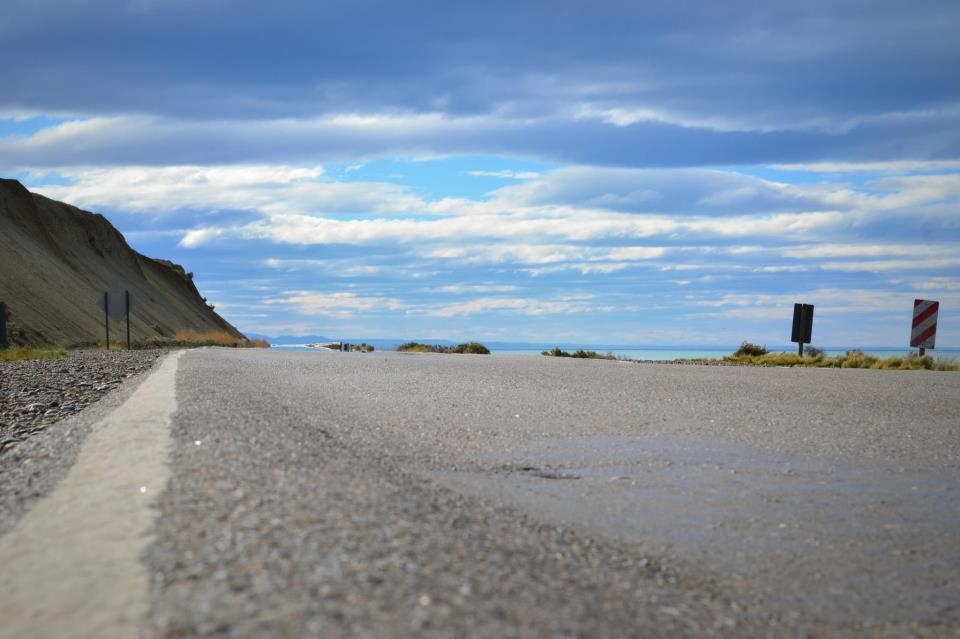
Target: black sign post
[802, 325]
[126, 297]
[106, 316]
[3, 325]
[116, 303]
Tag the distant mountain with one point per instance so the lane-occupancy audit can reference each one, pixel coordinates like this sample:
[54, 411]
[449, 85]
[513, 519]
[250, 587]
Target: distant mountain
[56, 262]
[298, 339]
[379, 342]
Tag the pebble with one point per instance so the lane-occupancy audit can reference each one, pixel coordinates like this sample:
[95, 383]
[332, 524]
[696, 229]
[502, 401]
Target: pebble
[37, 393]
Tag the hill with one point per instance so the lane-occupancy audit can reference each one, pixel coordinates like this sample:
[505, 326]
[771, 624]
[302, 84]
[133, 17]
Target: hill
[56, 261]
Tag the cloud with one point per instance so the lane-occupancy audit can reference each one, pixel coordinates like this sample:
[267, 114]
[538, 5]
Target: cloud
[577, 215]
[826, 301]
[737, 66]
[513, 306]
[360, 136]
[461, 289]
[831, 250]
[341, 305]
[263, 188]
[879, 266]
[507, 174]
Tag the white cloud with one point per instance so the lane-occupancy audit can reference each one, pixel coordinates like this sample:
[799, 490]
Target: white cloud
[902, 166]
[514, 306]
[879, 266]
[827, 301]
[507, 174]
[261, 188]
[938, 284]
[459, 289]
[828, 250]
[337, 305]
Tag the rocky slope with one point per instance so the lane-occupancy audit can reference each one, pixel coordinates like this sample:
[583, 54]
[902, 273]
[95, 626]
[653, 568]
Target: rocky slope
[56, 261]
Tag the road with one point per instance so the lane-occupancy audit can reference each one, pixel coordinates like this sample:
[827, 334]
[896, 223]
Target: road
[355, 495]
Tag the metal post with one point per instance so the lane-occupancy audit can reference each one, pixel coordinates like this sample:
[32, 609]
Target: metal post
[126, 295]
[106, 316]
[922, 351]
[800, 349]
[3, 325]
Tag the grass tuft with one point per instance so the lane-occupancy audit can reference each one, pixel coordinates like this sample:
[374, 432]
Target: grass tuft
[21, 353]
[854, 358]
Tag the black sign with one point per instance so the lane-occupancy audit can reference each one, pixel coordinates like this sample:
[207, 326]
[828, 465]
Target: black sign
[116, 303]
[802, 323]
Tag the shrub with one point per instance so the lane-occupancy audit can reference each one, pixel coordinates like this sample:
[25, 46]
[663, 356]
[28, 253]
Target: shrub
[814, 351]
[475, 348]
[579, 354]
[472, 348]
[417, 347]
[358, 348]
[750, 350]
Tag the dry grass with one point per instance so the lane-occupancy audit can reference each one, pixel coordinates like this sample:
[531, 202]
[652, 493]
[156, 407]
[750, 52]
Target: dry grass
[217, 338]
[21, 353]
[850, 359]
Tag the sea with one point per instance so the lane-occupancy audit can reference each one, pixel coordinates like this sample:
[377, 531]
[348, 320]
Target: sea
[639, 352]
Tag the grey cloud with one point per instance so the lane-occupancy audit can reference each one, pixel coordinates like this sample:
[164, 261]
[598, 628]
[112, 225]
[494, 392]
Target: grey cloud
[775, 63]
[668, 191]
[158, 141]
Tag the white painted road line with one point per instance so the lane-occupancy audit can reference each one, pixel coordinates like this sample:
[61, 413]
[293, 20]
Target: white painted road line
[71, 567]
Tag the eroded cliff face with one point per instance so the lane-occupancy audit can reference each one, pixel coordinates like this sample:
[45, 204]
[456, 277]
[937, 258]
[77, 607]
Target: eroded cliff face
[56, 261]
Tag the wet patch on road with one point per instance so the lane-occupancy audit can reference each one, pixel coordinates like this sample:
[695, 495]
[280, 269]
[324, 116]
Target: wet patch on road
[840, 539]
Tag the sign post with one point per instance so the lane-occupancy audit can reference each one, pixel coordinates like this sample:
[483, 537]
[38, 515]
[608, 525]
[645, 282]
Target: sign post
[116, 303]
[126, 297]
[105, 305]
[802, 325]
[923, 334]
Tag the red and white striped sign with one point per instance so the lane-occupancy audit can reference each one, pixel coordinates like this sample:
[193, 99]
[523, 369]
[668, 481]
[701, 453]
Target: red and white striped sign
[924, 323]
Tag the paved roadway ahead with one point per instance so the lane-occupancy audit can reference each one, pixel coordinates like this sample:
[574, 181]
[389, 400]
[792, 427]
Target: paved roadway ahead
[327, 494]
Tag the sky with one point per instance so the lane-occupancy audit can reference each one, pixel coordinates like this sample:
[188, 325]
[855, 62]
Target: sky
[613, 172]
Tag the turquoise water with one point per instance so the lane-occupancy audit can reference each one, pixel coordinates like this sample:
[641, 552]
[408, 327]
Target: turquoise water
[654, 353]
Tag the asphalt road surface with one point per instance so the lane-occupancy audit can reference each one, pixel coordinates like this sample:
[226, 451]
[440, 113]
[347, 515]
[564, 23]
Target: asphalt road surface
[390, 495]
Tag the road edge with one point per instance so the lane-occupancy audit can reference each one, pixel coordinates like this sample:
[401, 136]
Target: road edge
[72, 564]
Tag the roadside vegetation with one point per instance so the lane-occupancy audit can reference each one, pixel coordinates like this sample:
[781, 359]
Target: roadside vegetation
[182, 339]
[578, 354]
[363, 347]
[21, 353]
[216, 338]
[759, 356]
[473, 348]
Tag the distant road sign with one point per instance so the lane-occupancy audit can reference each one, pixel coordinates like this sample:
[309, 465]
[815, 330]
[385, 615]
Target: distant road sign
[924, 331]
[802, 323]
[117, 298]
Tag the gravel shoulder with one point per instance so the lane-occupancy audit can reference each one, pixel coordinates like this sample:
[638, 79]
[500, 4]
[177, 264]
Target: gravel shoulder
[34, 394]
[74, 394]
